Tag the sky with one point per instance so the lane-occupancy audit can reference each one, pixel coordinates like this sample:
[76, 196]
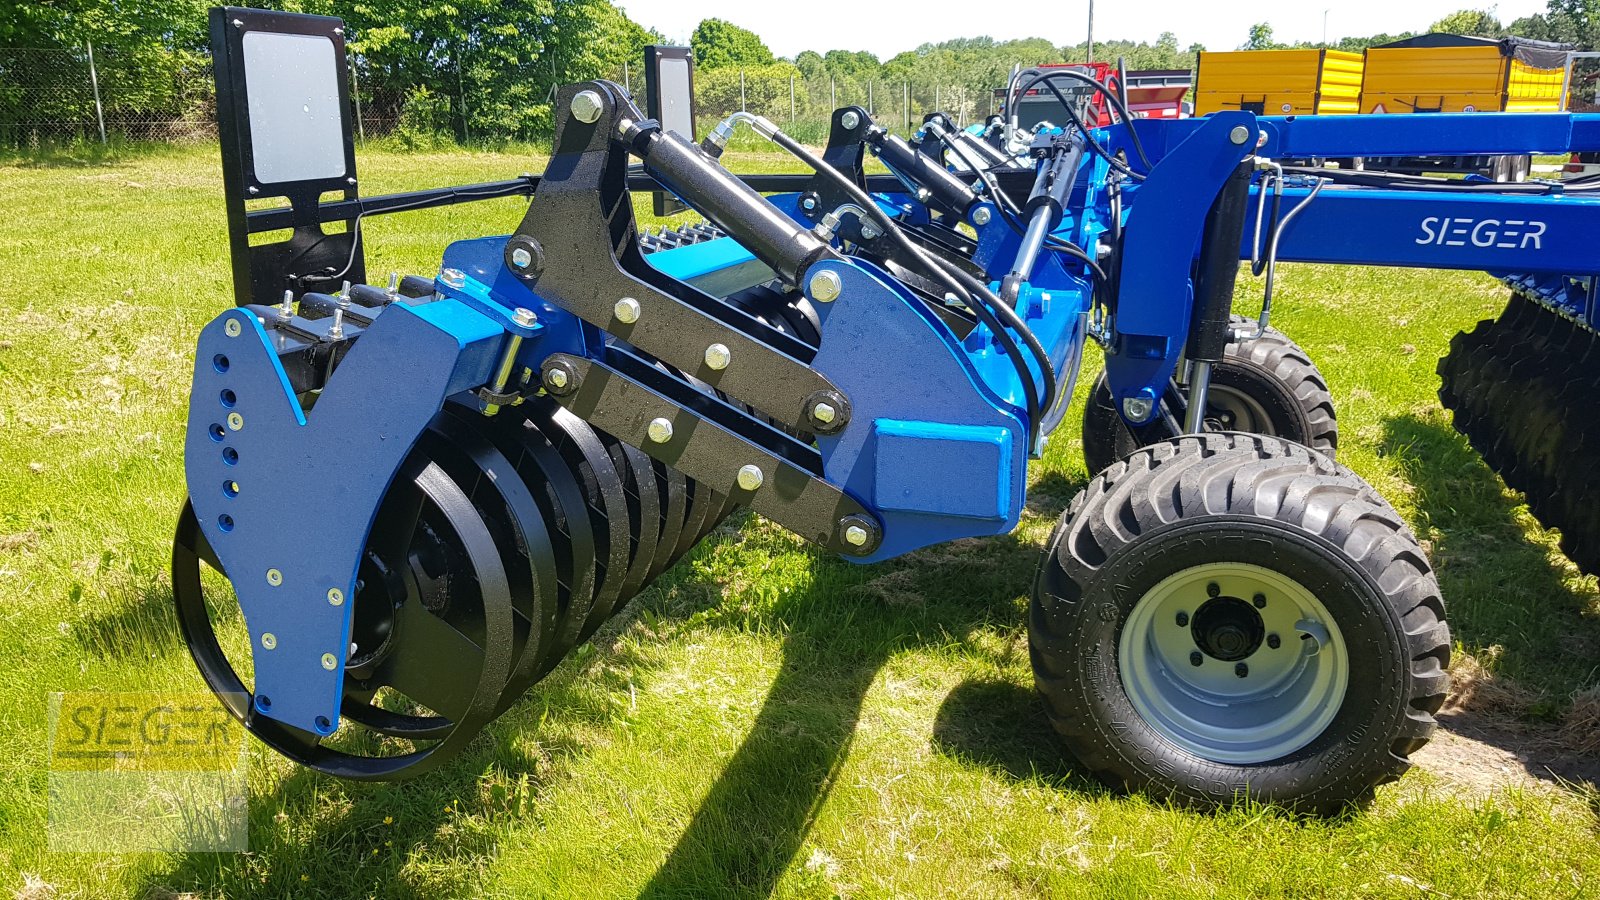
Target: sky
[887, 28]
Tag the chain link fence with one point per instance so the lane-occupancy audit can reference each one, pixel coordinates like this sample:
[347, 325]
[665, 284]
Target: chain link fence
[51, 97]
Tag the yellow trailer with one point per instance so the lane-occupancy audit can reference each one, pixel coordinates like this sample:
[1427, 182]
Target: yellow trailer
[1457, 73]
[1278, 82]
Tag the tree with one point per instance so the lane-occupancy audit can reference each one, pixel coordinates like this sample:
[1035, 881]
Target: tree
[718, 43]
[1261, 38]
[1474, 22]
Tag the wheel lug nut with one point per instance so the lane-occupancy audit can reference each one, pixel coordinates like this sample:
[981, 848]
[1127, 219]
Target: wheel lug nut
[1183, 619]
[1241, 670]
[1212, 589]
[1260, 600]
[1195, 658]
[1273, 641]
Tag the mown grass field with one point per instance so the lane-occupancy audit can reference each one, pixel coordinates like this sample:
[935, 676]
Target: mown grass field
[765, 721]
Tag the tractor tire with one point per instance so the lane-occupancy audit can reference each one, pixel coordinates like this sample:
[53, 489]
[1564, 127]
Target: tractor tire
[1266, 386]
[1224, 616]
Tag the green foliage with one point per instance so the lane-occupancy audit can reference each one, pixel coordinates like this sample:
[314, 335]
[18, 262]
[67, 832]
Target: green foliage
[1261, 38]
[766, 91]
[1474, 22]
[717, 43]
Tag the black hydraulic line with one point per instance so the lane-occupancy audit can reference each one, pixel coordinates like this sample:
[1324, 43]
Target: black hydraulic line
[1116, 102]
[977, 296]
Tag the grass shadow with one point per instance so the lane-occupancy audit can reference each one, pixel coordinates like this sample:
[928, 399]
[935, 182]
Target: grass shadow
[140, 625]
[755, 819]
[1001, 726]
[1513, 602]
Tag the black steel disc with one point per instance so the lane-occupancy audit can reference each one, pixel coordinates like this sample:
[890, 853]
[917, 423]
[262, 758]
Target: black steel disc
[644, 512]
[566, 515]
[451, 638]
[592, 470]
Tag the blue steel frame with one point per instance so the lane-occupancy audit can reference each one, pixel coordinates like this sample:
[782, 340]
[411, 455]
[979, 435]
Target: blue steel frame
[937, 445]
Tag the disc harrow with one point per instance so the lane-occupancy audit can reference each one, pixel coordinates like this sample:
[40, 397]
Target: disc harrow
[425, 495]
[1521, 389]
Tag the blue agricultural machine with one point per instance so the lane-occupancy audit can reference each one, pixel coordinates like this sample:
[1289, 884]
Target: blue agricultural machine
[425, 492]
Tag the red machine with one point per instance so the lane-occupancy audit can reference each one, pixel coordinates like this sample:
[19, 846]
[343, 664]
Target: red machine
[1154, 94]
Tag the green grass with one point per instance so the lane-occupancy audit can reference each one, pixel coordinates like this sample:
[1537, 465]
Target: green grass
[765, 721]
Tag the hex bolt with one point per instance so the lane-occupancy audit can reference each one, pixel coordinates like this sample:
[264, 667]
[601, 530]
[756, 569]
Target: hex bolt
[286, 308]
[856, 536]
[1138, 408]
[235, 421]
[586, 107]
[1260, 600]
[1183, 620]
[750, 477]
[557, 378]
[1241, 670]
[1195, 658]
[850, 119]
[660, 430]
[232, 328]
[330, 662]
[981, 216]
[335, 597]
[1239, 134]
[523, 318]
[1274, 641]
[825, 286]
[269, 641]
[824, 413]
[869, 230]
[718, 356]
[626, 310]
[1213, 589]
[808, 203]
[274, 577]
[453, 278]
[521, 258]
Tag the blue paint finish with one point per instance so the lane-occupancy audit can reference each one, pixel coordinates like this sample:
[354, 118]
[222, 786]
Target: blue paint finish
[1503, 232]
[698, 260]
[303, 490]
[979, 455]
[895, 359]
[1164, 230]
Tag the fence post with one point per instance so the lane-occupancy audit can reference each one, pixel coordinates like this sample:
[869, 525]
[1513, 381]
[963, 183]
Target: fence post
[833, 95]
[869, 96]
[906, 107]
[627, 81]
[936, 99]
[791, 98]
[741, 90]
[355, 91]
[94, 80]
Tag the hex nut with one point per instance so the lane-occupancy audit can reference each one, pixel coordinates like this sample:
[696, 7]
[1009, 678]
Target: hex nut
[856, 536]
[825, 286]
[586, 107]
[521, 258]
[824, 413]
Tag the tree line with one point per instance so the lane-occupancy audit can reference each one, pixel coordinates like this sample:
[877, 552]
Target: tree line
[488, 68]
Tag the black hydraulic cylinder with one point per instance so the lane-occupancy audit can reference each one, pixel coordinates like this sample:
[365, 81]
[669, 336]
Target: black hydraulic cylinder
[735, 207]
[944, 187]
[1219, 267]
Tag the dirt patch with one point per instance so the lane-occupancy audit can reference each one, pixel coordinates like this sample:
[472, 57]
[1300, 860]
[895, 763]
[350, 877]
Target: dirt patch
[1488, 742]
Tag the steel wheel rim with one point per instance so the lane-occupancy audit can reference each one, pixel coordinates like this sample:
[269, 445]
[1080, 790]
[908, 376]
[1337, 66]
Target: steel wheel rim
[1289, 693]
[1234, 410]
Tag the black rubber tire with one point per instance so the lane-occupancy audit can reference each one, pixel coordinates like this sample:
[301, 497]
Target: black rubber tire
[1231, 497]
[1272, 371]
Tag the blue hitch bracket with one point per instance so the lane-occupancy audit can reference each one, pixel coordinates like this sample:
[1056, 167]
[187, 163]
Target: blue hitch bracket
[286, 501]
